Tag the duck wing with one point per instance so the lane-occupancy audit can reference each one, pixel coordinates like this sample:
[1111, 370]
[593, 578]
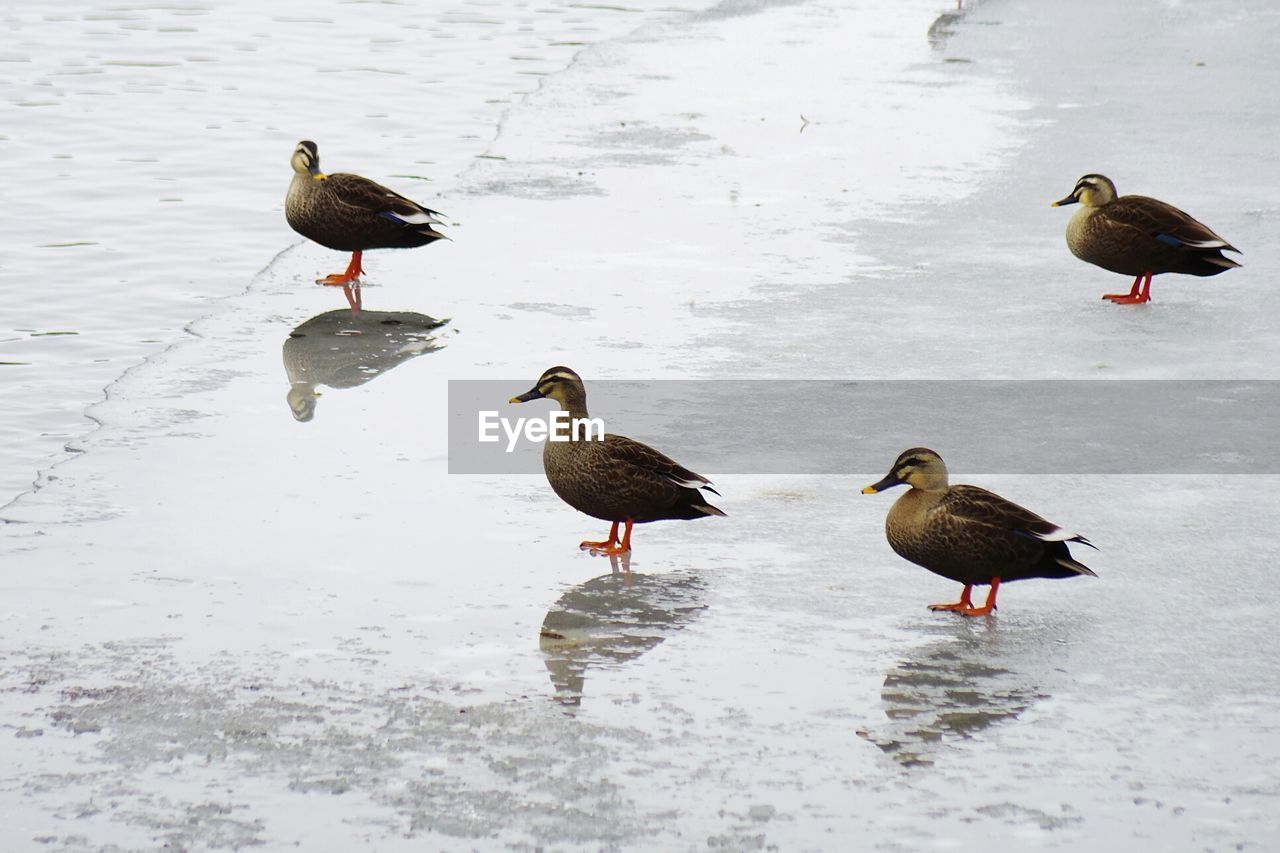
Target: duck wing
[653, 463]
[1164, 222]
[976, 505]
[372, 197]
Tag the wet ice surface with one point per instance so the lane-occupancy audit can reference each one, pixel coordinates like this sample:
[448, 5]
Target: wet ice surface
[223, 627]
[145, 143]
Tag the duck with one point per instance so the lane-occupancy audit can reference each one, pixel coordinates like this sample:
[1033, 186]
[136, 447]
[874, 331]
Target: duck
[350, 213]
[970, 535]
[612, 477]
[1139, 236]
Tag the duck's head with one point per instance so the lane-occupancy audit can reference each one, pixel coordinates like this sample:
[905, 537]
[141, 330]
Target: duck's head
[1091, 191]
[557, 383]
[919, 468]
[306, 160]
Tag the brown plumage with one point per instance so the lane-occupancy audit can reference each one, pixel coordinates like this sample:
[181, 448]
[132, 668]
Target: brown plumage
[968, 534]
[349, 213]
[616, 479]
[1140, 236]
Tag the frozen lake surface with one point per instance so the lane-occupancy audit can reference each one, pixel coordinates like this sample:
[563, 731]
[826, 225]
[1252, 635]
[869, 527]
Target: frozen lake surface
[229, 618]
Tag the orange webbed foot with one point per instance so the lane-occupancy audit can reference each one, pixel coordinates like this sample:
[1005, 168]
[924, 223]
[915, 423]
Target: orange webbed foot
[1139, 293]
[343, 279]
[965, 603]
[964, 608]
[607, 546]
[604, 549]
[611, 547]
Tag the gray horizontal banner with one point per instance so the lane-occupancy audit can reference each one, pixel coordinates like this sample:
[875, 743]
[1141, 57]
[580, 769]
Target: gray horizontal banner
[718, 427]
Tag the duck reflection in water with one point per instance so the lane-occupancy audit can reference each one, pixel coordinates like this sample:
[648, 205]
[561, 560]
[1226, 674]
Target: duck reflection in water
[344, 350]
[612, 619]
[955, 687]
[943, 27]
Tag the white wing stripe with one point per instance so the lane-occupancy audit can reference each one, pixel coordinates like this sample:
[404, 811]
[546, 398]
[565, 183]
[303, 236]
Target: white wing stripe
[690, 484]
[416, 218]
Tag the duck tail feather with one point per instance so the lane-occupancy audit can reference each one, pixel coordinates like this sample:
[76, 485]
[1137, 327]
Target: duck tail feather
[1075, 566]
[1221, 261]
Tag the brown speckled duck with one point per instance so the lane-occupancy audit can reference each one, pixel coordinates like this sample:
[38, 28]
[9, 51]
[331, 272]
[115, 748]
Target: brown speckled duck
[1139, 236]
[968, 534]
[349, 213]
[615, 479]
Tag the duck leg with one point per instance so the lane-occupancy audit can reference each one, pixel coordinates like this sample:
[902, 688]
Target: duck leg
[1133, 297]
[609, 549]
[354, 271]
[965, 603]
[989, 607]
[608, 543]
